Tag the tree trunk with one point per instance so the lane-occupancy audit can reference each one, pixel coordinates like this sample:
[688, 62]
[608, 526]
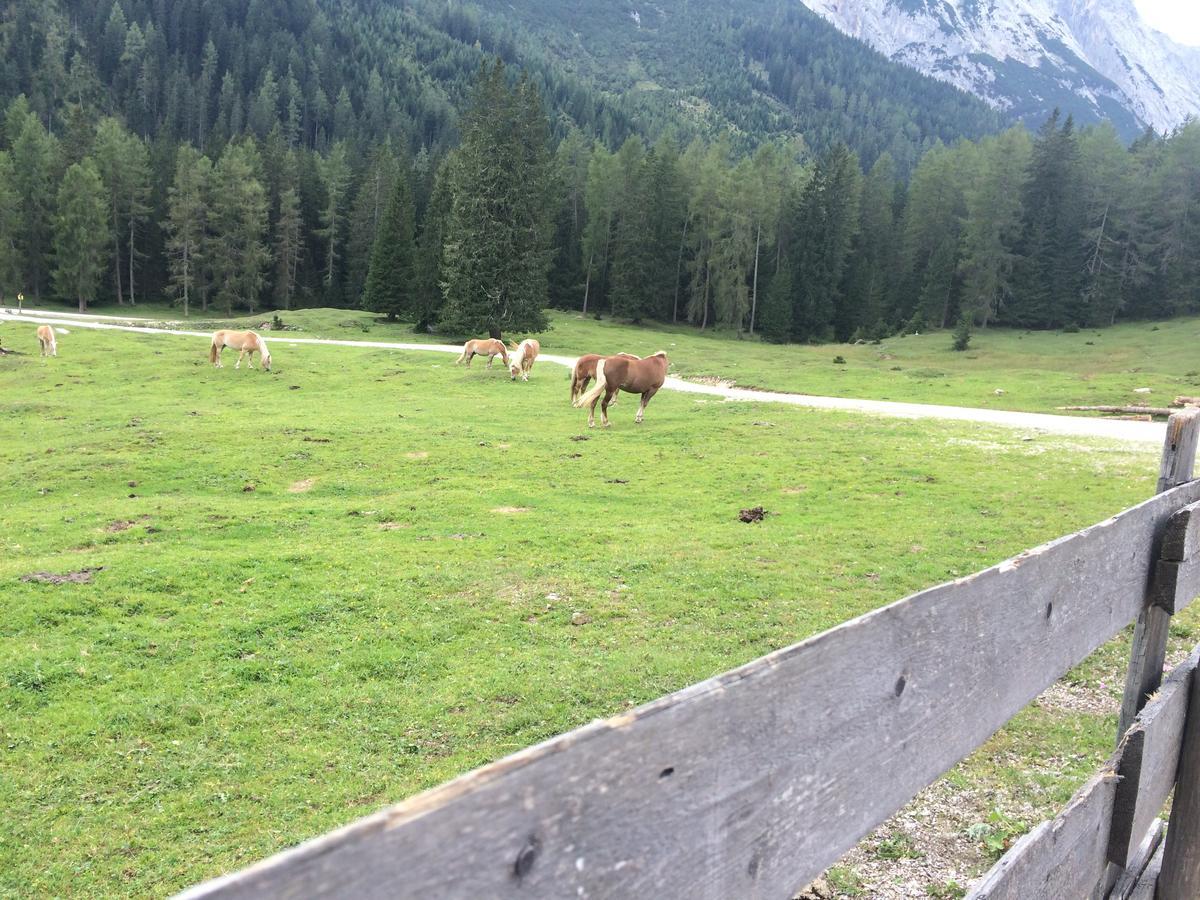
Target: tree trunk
[754, 290]
[132, 251]
[587, 284]
[117, 256]
[679, 268]
[494, 332]
[704, 315]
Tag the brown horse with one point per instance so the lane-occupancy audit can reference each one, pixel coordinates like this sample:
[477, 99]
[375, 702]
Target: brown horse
[242, 341]
[489, 347]
[522, 359]
[45, 336]
[585, 371]
[617, 373]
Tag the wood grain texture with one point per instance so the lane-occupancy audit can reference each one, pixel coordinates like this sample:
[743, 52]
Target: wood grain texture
[1179, 449]
[1060, 859]
[1130, 878]
[750, 784]
[1148, 762]
[1180, 879]
[1149, 884]
[1149, 646]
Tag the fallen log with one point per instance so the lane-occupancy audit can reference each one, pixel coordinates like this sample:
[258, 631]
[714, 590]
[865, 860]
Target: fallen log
[1186, 401]
[1131, 410]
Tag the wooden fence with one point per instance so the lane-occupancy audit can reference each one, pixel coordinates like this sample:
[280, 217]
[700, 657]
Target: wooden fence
[750, 784]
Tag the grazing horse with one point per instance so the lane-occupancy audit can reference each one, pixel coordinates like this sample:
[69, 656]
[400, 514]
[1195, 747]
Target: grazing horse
[46, 340]
[585, 371]
[522, 359]
[242, 341]
[617, 373]
[489, 347]
[45, 336]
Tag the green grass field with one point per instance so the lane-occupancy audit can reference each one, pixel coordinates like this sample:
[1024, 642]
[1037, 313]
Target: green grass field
[319, 590]
[1037, 371]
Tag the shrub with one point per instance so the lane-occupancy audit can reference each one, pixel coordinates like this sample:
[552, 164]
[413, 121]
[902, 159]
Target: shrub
[962, 334]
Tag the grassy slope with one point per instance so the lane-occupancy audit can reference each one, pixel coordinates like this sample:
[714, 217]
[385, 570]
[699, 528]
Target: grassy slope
[251, 668]
[1038, 371]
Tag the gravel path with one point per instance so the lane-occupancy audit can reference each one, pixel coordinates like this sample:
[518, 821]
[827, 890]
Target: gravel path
[1145, 433]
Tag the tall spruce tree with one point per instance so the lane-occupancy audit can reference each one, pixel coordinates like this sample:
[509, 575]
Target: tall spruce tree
[35, 168]
[79, 233]
[238, 216]
[497, 243]
[1049, 276]
[188, 199]
[10, 225]
[391, 281]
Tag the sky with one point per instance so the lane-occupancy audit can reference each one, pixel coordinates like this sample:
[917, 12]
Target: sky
[1178, 18]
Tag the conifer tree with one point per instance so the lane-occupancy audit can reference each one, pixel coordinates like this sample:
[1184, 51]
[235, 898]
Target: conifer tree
[238, 226]
[288, 245]
[10, 259]
[391, 284]
[187, 220]
[79, 233]
[335, 175]
[497, 243]
[430, 248]
[35, 164]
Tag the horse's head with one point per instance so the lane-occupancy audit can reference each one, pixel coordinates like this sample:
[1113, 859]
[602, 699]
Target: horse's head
[266, 358]
[514, 366]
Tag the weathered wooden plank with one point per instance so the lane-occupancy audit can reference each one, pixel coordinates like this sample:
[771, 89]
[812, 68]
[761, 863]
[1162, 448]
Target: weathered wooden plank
[1181, 539]
[751, 783]
[1150, 636]
[1179, 449]
[1180, 879]
[1177, 574]
[1148, 763]
[1146, 850]
[1059, 859]
[1148, 886]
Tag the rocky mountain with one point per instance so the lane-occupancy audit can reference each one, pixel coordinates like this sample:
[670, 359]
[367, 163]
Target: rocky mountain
[1096, 59]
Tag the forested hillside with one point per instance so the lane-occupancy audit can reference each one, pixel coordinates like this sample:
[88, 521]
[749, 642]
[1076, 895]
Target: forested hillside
[750, 169]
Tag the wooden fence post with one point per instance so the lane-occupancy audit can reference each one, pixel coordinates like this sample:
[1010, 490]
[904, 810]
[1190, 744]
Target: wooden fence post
[1150, 634]
[1180, 877]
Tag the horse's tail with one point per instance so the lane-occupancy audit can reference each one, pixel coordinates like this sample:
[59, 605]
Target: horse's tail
[574, 383]
[597, 389]
[213, 351]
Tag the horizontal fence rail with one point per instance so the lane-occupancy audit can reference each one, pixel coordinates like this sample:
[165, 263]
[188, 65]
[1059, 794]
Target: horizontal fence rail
[751, 783]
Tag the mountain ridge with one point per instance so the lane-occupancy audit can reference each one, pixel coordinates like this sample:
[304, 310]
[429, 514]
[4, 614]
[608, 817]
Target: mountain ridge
[1096, 59]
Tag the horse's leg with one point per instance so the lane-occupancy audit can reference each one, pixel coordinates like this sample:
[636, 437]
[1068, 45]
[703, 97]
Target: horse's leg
[592, 414]
[608, 395]
[250, 359]
[470, 356]
[491, 358]
[645, 399]
[241, 353]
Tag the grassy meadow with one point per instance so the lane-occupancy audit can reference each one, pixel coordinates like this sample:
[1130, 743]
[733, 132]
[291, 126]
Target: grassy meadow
[1038, 371]
[316, 591]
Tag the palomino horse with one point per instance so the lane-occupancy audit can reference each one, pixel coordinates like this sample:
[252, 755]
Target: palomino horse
[585, 371]
[489, 347]
[617, 373]
[242, 341]
[522, 359]
[46, 340]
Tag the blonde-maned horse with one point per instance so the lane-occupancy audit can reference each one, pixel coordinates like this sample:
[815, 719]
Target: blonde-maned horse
[522, 359]
[489, 347]
[45, 336]
[242, 341]
[585, 371]
[617, 373]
